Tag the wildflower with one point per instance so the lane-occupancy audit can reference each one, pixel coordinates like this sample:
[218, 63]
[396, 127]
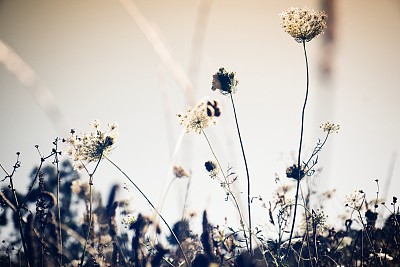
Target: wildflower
[295, 172]
[197, 119]
[303, 24]
[180, 172]
[91, 146]
[224, 81]
[95, 124]
[330, 127]
[212, 168]
[355, 200]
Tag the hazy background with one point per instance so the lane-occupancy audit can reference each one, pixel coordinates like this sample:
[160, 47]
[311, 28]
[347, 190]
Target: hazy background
[101, 60]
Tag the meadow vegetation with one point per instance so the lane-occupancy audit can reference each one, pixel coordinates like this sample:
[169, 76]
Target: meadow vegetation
[63, 221]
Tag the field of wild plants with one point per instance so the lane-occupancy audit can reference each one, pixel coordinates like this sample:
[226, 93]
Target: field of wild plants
[63, 221]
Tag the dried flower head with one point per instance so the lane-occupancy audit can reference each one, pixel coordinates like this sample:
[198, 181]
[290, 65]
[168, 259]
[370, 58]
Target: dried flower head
[212, 168]
[198, 118]
[224, 81]
[355, 200]
[330, 127]
[303, 24]
[91, 146]
[180, 172]
[295, 172]
[213, 109]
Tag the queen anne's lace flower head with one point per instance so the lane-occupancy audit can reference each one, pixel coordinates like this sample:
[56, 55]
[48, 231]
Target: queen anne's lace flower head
[303, 24]
[224, 81]
[91, 146]
[200, 117]
[330, 127]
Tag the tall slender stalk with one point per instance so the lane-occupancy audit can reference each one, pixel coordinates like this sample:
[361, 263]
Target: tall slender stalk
[154, 208]
[300, 146]
[89, 224]
[247, 174]
[90, 209]
[60, 243]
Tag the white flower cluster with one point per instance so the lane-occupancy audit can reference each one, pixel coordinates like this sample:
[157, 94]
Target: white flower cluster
[355, 200]
[196, 119]
[91, 146]
[330, 127]
[303, 24]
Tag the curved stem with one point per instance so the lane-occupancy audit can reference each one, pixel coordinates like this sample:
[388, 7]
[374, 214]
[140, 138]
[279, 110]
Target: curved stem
[300, 146]
[154, 208]
[248, 176]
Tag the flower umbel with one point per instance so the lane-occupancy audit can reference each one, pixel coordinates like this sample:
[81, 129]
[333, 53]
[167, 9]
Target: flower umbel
[91, 146]
[198, 118]
[330, 127]
[224, 81]
[303, 24]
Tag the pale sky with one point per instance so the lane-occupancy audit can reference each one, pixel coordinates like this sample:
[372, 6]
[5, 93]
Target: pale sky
[97, 63]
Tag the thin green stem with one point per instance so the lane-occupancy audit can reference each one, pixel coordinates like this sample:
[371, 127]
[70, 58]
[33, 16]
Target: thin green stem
[247, 174]
[154, 208]
[300, 147]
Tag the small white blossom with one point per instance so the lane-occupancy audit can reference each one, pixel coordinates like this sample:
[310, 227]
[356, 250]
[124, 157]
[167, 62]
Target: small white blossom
[95, 124]
[330, 127]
